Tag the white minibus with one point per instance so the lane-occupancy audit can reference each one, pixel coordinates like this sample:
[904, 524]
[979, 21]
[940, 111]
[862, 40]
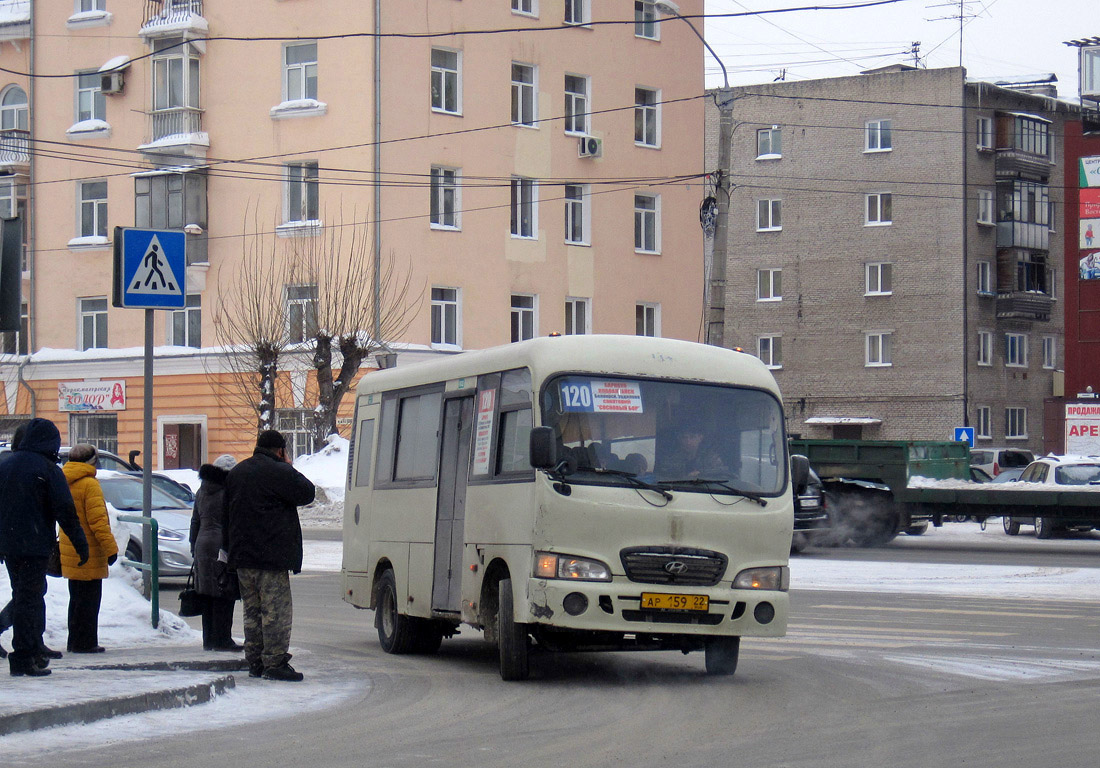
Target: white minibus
[572, 493]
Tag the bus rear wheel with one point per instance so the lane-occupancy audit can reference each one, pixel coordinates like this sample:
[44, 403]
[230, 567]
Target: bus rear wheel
[511, 637]
[721, 655]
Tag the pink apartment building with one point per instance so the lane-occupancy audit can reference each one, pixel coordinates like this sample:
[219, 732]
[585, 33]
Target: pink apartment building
[524, 166]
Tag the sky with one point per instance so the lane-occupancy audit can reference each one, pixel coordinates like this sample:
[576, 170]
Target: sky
[1001, 38]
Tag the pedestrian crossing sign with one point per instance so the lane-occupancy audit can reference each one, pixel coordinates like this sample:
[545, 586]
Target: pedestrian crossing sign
[150, 268]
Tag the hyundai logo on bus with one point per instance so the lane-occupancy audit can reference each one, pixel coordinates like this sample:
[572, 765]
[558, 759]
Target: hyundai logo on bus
[675, 567]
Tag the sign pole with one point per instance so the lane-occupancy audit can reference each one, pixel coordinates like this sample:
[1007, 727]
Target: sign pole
[147, 451]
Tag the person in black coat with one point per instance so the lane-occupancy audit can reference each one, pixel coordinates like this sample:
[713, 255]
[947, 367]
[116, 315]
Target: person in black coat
[35, 499]
[213, 581]
[263, 542]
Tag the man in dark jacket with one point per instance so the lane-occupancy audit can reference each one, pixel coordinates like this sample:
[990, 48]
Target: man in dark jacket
[35, 499]
[263, 539]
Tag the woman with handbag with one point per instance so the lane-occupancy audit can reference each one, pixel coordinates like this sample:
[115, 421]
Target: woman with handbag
[217, 587]
[86, 581]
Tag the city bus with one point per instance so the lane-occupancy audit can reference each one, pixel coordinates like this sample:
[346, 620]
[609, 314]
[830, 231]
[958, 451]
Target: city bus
[551, 494]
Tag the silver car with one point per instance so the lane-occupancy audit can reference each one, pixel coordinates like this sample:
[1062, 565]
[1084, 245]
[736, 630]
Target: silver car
[123, 496]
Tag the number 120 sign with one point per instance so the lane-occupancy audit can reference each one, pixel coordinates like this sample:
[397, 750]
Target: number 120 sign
[591, 396]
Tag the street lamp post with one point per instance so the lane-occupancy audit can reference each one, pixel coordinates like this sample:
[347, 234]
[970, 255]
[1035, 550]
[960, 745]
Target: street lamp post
[716, 286]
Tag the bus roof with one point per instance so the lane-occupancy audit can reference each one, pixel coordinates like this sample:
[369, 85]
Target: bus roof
[586, 353]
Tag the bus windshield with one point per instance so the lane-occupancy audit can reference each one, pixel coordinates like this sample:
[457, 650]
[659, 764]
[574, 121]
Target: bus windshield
[691, 437]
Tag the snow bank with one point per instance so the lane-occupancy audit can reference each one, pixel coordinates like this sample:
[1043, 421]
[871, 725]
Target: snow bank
[328, 469]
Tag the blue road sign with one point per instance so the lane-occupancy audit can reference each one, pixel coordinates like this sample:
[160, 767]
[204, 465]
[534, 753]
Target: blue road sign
[965, 435]
[150, 268]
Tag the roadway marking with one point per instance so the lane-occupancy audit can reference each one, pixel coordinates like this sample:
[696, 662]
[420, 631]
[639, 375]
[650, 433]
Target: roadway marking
[1000, 669]
[795, 628]
[897, 609]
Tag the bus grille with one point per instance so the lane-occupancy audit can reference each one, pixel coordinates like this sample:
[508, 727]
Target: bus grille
[673, 565]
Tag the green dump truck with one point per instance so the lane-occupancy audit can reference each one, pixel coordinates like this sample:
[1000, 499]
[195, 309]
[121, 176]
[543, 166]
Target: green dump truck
[884, 487]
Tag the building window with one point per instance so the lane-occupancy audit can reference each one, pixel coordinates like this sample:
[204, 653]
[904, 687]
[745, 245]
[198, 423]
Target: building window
[984, 132]
[879, 137]
[880, 279]
[300, 71]
[983, 428]
[576, 214]
[523, 95]
[880, 207]
[769, 215]
[645, 20]
[444, 203]
[769, 143]
[647, 230]
[770, 350]
[879, 349]
[98, 429]
[769, 284]
[523, 207]
[302, 192]
[14, 115]
[985, 348]
[985, 278]
[646, 117]
[523, 316]
[90, 101]
[1032, 135]
[1024, 201]
[84, 6]
[578, 316]
[175, 89]
[185, 325]
[526, 7]
[1016, 423]
[445, 81]
[985, 206]
[301, 313]
[577, 12]
[172, 201]
[93, 209]
[296, 425]
[1016, 350]
[446, 317]
[93, 323]
[15, 342]
[576, 104]
[1052, 217]
[1050, 352]
[647, 319]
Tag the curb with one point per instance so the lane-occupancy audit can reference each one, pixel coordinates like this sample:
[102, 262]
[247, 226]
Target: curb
[91, 711]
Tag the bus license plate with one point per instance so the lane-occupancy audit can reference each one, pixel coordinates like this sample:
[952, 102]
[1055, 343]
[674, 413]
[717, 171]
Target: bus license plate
[659, 601]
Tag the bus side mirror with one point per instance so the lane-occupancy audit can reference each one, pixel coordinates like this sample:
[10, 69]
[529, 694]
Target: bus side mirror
[544, 448]
[800, 473]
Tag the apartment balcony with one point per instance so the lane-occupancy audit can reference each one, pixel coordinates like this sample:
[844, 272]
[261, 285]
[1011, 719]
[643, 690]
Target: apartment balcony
[1029, 305]
[1023, 234]
[177, 133]
[15, 155]
[1016, 164]
[15, 20]
[173, 18]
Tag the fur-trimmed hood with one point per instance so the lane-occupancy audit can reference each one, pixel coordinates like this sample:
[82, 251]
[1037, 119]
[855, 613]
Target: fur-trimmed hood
[209, 473]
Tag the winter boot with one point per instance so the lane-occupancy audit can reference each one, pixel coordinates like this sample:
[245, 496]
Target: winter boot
[27, 667]
[255, 669]
[283, 672]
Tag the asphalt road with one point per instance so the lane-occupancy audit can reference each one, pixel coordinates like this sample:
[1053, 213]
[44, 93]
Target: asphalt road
[863, 679]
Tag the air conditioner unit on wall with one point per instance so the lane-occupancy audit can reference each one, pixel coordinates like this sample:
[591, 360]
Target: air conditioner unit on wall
[590, 146]
[111, 82]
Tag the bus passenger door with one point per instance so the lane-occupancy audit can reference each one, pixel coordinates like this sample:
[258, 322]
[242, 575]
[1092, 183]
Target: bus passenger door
[450, 516]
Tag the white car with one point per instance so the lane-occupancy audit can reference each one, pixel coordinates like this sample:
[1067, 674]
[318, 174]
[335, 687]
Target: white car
[1060, 472]
[996, 460]
[122, 492]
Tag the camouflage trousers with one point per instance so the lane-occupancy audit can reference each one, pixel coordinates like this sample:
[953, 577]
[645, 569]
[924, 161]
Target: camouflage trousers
[268, 615]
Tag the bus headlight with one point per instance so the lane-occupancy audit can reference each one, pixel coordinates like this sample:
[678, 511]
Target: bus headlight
[776, 578]
[550, 565]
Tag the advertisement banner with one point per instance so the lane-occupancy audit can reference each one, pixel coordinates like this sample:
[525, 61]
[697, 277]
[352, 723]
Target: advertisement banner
[1083, 428]
[1090, 172]
[1090, 233]
[91, 396]
[1090, 204]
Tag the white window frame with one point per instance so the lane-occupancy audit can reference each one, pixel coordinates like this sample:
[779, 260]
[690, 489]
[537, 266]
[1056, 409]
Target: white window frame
[88, 6]
[647, 223]
[444, 297]
[1016, 350]
[647, 315]
[578, 214]
[300, 299]
[445, 82]
[983, 129]
[769, 284]
[14, 109]
[1015, 423]
[984, 279]
[298, 75]
[524, 314]
[1050, 352]
[983, 430]
[96, 206]
[525, 7]
[771, 140]
[297, 188]
[577, 106]
[578, 12]
[647, 117]
[524, 208]
[98, 327]
[985, 348]
[878, 278]
[769, 349]
[985, 207]
[91, 104]
[446, 198]
[769, 215]
[525, 102]
[878, 349]
[874, 209]
[578, 315]
[646, 25]
[875, 131]
[191, 314]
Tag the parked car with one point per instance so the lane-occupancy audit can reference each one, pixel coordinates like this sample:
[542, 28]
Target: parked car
[996, 460]
[811, 514]
[107, 460]
[171, 487]
[122, 492]
[1055, 472]
[1008, 475]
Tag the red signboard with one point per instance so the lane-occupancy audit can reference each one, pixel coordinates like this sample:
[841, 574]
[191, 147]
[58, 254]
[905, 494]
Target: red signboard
[1090, 203]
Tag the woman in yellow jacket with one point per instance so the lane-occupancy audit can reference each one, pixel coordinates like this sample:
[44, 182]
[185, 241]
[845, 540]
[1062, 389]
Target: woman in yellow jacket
[86, 581]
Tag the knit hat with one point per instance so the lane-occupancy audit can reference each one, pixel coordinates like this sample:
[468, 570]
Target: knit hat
[84, 453]
[225, 461]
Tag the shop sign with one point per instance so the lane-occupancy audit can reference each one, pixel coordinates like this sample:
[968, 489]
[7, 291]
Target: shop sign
[1090, 204]
[1082, 428]
[1090, 172]
[91, 396]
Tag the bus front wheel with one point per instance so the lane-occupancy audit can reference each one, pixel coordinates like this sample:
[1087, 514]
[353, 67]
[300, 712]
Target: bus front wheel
[511, 637]
[395, 632]
[721, 655]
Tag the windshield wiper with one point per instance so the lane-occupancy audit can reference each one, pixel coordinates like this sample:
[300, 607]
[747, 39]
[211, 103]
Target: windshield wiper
[630, 476]
[750, 495]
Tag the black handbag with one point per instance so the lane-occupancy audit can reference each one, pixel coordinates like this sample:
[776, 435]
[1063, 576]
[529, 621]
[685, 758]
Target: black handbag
[190, 600]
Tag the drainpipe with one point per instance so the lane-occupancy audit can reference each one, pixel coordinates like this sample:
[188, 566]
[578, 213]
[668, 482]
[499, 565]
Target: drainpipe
[377, 281]
[966, 257]
[31, 197]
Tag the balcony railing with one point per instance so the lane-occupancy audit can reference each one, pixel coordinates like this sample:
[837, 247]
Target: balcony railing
[1030, 305]
[15, 148]
[178, 121]
[1015, 163]
[170, 11]
[1023, 234]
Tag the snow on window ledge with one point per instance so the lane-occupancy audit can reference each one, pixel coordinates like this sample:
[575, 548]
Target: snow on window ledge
[92, 242]
[89, 19]
[770, 156]
[310, 228]
[299, 108]
[89, 129]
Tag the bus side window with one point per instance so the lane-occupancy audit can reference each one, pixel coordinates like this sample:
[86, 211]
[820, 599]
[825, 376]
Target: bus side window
[364, 443]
